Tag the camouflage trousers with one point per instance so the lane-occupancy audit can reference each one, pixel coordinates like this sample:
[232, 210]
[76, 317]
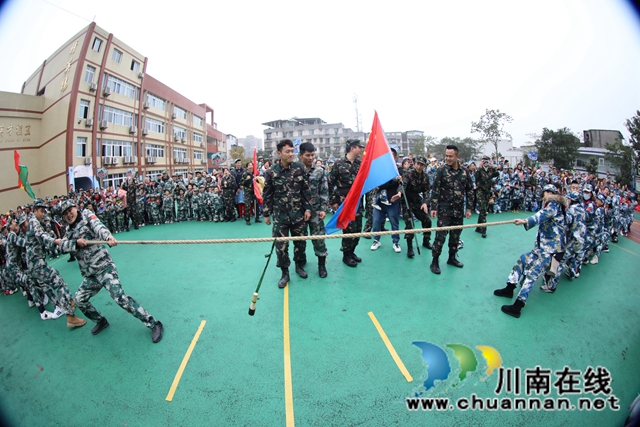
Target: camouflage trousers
[316, 228]
[120, 225]
[168, 214]
[368, 211]
[49, 277]
[138, 215]
[572, 259]
[229, 206]
[425, 221]
[355, 226]
[604, 241]
[454, 238]
[12, 277]
[109, 280]
[182, 214]
[527, 270]
[249, 199]
[590, 243]
[483, 205]
[195, 211]
[283, 229]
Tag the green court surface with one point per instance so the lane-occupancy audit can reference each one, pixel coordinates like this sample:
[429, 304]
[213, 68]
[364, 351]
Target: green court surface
[342, 373]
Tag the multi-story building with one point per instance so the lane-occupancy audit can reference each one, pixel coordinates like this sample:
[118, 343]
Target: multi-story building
[90, 115]
[328, 138]
[403, 142]
[249, 143]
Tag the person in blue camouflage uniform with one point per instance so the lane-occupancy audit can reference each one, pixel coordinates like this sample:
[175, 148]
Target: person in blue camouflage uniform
[601, 232]
[246, 180]
[318, 185]
[591, 220]
[341, 178]
[98, 269]
[287, 198]
[228, 195]
[550, 243]
[484, 183]
[416, 189]
[36, 243]
[451, 186]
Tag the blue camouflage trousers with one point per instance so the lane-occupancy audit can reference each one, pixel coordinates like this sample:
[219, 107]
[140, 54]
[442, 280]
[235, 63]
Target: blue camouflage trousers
[571, 260]
[527, 270]
[108, 279]
[604, 241]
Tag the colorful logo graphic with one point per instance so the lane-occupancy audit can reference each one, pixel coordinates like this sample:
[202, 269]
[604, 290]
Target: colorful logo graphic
[439, 368]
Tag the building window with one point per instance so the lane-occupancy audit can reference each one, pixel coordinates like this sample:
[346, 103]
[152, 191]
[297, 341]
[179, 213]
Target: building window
[197, 137]
[179, 153]
[267, 135]
[179, 112]
[83, 112]
[336, 140]
[41, 93]
[116, 116]
[113, 180]
[121, 87]
[601, 161]
[154, 101]
[89, 73]
[153, 150]
[81, 146]
[135, 66]
[117, 55]
[310, 131]
[197, 121]
[152, 175]
[179, 132]
[154, 125]
[112, 148]
[197, 155]
[97, 43]
[299, 133]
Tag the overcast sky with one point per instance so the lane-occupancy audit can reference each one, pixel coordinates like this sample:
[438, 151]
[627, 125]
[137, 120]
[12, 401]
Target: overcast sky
[423, 65]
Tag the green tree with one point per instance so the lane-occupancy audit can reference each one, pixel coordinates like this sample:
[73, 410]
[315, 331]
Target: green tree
[420, 146]
[623, 158]
[560, 147]
[468, 148]
[491, 127]
[629, 154]
[237, 152]
[592, 166]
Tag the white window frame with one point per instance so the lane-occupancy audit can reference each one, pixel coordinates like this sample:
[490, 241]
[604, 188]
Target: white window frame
[115, 148]
[120, 86]
[96, 41]
[155, 102]
[117, 116]
[83, 110]
[179, 112]
[114, 180]
[81, 144]
[135, 66]
[179, 132]
[153, 125]
[116, 55]
[179, 153]
[89, 74]
[198, 154]
[197, 137]
[197, 121]
[154, 150]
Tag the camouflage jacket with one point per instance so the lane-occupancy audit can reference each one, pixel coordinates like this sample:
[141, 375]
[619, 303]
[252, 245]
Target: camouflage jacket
[13, 250]
[92, 259]
[228, 185]
[416, 186]
[576, 226]
[286, 193]
[590, 216]
[552, 223]
[247, 180]
[319, 186]
[341, 179]
[37, 241]
[484, 178]
[450, 187]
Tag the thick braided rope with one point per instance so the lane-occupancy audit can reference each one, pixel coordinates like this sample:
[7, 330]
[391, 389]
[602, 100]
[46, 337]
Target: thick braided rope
[294, 238]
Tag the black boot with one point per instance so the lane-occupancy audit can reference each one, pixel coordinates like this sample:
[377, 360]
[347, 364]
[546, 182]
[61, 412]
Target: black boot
[248, 222]
[506, 292]
[425, 242]
[156, 332]
[258, 219]
[322, 269]
[435, 267]
[346, 258]
[513, 310]
[300, 270]
[102, 324]
[453, 261]
[72, 257]
[355, 257]
[410, 253]
[285, 278]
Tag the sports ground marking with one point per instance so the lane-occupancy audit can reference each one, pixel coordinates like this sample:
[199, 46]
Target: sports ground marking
[185, 360]
[395, 356]
[288, 387]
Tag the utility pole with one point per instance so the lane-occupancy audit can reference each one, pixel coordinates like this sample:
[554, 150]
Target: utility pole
[355, 103]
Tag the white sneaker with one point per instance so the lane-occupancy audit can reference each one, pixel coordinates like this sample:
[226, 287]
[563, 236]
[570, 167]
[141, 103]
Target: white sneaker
[57, 313]
[45, 301]
[396, 247]
[547, 288]
[594, 260]
[31, 303]
[46, 315]
[375, 246]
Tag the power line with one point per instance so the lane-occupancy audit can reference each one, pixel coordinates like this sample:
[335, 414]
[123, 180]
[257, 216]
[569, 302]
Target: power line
[68, 11]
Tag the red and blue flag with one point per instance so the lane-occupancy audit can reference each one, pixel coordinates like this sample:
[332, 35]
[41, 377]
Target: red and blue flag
[378, 167]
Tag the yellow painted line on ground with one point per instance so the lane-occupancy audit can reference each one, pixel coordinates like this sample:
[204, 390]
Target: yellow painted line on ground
[617, 246]
[288, 385]
[395, 356]
[185, 360]
[57, 261]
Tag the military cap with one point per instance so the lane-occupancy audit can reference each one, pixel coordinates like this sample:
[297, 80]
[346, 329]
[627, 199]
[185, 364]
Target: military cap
[587, 188]
[573, 195]
[602, 198]
[165, 172]
[22, 218]
[550, 187]
[66, 205]
[421, 159]
[237, 160]
[199, 172]
[433, 159]
[39, 203]
[354, 143]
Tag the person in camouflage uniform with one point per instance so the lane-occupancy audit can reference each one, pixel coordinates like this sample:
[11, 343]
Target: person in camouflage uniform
[228, 195]
[139, 212]
[129, 185]
[218, 205]
[368, 212]
[202, 204]
[119, 214]
[416, 189]
[154, 210]
[550, 243]
[287, 198]
[36, 243]
[98, 269]
[249, 196]
[451, 185]
[319, 188]
[181, 201]
[168, 207]
[484, 183]
[341, 178]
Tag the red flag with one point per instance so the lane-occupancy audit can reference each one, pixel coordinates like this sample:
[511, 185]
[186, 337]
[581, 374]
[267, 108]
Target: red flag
[23, 175]
[256, 190]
